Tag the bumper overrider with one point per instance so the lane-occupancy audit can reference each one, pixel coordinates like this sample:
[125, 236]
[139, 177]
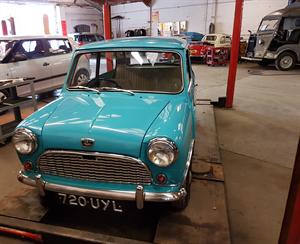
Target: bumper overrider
[139, 195]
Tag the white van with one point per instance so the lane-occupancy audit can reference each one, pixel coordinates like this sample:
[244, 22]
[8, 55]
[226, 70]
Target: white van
[45, 58]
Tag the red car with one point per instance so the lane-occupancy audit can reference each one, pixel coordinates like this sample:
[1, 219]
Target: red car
[198, 50]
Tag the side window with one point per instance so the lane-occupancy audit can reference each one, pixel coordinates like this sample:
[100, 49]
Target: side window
[29, 46]
[222, 40]
[58, 46]
[31, 49]
[228, 39]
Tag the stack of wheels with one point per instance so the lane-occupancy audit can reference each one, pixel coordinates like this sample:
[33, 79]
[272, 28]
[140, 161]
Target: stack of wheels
[217, 56]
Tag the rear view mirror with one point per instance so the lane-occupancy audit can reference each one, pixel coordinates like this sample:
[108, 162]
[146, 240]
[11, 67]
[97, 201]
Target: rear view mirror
[19, 57]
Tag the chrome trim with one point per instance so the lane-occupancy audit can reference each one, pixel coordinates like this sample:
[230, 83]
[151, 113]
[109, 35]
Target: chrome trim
[139, 197]
[190, 86]
[166, 141]
[40, 184]
[189, 160]
[31, 136]
[106, 194]
[87, 142]
[252, 59]
[97, 154]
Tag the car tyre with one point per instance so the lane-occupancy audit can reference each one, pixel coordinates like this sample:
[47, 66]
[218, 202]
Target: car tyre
[183, 202]
[286, 61]
[82, 76]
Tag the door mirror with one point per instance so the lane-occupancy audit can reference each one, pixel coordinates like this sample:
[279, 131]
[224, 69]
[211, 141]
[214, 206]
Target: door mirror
[19, 57]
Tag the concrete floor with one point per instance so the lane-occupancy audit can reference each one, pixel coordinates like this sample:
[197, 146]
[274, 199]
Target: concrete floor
[258, 140]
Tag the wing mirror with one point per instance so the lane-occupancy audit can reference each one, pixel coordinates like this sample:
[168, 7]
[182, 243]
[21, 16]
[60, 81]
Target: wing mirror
[19, 57]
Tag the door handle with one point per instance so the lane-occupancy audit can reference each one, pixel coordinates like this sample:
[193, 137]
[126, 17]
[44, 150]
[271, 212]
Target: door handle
[46, 64]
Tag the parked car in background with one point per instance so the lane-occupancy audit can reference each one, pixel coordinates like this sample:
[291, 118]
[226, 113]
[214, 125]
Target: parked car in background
[218, 40]
[277, 39]
[45, 58]
[86, 37]
[198, 49]
[126, 133]
[192, 36]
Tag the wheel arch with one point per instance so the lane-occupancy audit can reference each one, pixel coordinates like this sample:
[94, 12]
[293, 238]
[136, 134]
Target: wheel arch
[289, 50]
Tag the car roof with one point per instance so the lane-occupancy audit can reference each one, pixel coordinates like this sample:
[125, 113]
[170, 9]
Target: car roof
[292, 10]
[11, 38]
[138, 42]
[217, 34]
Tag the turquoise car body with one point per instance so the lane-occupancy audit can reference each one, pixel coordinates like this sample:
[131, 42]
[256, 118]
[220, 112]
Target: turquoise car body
[119, 123]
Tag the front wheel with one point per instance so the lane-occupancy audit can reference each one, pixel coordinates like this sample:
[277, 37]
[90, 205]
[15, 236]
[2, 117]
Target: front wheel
[82, 76]
[286, 61]
[183, 202]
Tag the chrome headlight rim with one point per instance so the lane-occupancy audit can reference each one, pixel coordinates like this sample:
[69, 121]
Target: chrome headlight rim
[167, 142]
[31, 137]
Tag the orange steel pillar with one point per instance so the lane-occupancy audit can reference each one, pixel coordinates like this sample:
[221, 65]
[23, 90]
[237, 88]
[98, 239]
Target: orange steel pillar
[107, 32]
[107, 20]
[4, 28]
[234, 52]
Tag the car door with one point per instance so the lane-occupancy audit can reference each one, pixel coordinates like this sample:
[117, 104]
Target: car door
[59, 54]
[34, 64]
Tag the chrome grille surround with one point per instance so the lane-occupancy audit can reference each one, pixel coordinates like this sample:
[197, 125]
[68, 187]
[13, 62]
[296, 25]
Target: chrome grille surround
[94, 166]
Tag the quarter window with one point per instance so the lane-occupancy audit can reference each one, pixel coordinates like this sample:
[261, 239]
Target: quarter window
[56, 46]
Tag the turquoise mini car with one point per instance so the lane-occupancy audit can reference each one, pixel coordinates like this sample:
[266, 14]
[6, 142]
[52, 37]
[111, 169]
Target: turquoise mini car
[121, 131]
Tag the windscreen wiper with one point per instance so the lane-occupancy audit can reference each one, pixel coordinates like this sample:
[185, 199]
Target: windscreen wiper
[116, 90]
[84, 88]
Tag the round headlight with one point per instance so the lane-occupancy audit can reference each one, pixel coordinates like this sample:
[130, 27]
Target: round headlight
[25, 141]
[162, 152]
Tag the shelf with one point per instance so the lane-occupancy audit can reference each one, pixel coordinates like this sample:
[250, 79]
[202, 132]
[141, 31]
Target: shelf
[7, 130]
[12, 103]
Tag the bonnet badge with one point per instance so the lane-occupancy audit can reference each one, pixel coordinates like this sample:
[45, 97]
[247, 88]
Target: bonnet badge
[87, 142]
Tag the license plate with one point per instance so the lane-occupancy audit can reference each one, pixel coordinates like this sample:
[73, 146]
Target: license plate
[90, 202]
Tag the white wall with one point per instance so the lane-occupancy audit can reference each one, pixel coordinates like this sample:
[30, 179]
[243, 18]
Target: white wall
[78, 15]
[198, 13]
[254, 11]
[28, 17]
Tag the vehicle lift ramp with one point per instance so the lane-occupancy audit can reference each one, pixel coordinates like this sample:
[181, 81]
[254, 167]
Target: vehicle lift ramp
[205, 220]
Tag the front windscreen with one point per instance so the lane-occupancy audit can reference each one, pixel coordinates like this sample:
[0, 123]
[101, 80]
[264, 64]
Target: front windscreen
[137, 71]
[5, 47]
[268, 25]
[210, 38]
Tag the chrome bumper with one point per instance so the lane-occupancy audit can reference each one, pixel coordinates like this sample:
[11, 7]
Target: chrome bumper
[139, 196]
[252, 59]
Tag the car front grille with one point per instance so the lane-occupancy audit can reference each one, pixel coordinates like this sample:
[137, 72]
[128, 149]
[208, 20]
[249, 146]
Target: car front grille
[92, 166]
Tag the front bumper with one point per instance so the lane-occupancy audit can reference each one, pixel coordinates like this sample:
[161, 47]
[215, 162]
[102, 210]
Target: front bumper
[252, 59]
[139, 196]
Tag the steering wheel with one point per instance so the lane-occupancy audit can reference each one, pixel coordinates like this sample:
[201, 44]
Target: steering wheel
[108, 80]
